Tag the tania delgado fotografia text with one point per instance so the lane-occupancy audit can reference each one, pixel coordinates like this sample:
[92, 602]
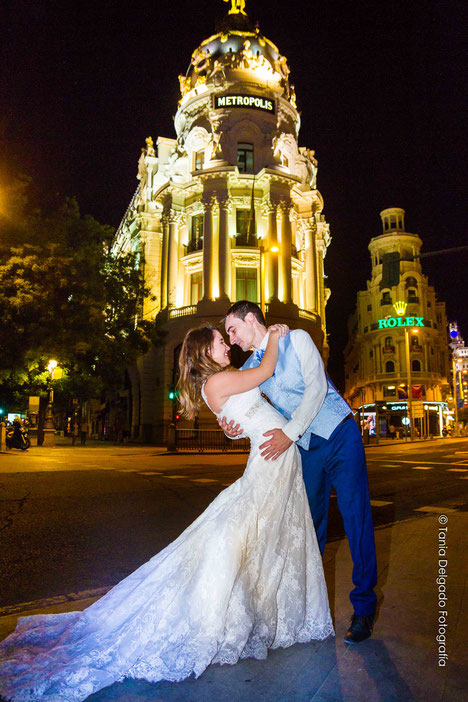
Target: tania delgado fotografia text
[441, 581]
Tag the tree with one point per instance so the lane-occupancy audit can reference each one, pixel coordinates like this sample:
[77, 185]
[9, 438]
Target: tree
[64, 295]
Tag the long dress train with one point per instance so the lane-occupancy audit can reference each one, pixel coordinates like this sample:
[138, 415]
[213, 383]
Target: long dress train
[246, 576]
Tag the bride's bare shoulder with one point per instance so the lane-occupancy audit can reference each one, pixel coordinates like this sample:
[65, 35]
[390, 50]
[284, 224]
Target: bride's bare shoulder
[216, 381]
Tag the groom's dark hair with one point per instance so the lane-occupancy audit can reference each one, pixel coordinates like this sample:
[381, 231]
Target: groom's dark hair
[242, 308]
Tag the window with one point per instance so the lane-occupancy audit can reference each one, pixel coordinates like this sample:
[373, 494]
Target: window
[196, 233]
[199, 160]
[386, 298]
[411, 282]
[390, 367]
[388, 342]
[369, 308]
[245, 158]
[415, 341]
[196, 287]
[245, 228]
[386, 224]
[393, 222]
[415, 365]
[246, 284]
[389, 391]
[413, 295]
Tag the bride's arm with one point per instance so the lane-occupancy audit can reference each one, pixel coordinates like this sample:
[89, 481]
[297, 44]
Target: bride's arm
[222, 385]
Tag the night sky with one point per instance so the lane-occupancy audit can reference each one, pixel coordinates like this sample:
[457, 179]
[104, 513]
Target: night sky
[379, 85]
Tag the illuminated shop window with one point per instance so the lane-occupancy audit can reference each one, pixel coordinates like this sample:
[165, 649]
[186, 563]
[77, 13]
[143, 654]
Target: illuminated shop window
[246, 284]
[196, 287]
[199, 160]
[389, 391]
[245, 158]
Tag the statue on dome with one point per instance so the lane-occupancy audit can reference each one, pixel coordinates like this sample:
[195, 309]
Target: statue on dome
[185, 84]
[201, 60]
[237, 7]
[150, 147]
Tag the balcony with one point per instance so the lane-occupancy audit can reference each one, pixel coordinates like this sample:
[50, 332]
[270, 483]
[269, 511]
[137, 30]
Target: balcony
[388, 349]
[245, 240]
[385, 302]
[413, 301]
[194, 245]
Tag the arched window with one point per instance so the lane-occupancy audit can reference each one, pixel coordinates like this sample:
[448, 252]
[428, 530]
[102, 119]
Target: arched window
[388, 342]
[411, 282]
[390, 367]
[415, 365]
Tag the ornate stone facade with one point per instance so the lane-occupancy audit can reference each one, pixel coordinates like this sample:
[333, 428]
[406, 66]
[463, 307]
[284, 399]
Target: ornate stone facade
[227, 210]
[390, 324]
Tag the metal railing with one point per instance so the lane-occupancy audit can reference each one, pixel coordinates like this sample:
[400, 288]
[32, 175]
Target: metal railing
[208, 440]
[182, 311]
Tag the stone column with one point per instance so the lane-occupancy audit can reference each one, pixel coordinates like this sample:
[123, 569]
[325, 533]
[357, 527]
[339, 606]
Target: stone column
[286, 251]
[164, 255]
[172, 260]
[310, 267]
[207, 201]
[271, 272]
[224, 247]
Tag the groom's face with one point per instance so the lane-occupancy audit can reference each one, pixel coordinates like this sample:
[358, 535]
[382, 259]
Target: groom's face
[240, 331]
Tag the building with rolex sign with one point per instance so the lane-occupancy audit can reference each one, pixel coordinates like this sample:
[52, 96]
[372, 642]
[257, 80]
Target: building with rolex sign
[227, 210]
[396, 360]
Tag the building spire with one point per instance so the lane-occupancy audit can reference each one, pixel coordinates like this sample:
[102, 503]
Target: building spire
[237, 7]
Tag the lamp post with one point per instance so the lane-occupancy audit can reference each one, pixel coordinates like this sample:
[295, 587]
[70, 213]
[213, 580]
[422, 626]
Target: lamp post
[49, 429]
[408, 380]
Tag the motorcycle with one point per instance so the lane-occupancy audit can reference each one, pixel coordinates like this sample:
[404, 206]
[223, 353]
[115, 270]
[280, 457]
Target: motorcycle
[17, 437]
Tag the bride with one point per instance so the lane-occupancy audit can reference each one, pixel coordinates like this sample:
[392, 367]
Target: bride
[246, 576]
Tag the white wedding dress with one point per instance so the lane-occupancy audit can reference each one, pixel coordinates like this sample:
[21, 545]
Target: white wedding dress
[246, 576]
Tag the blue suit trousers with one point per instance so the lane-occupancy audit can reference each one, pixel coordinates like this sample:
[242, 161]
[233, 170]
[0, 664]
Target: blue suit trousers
[340, 462]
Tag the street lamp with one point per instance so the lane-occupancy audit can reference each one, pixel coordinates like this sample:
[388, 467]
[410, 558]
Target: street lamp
[408, 380]
[49, 429]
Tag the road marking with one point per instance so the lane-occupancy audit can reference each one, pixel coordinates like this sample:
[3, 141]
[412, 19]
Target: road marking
[150, 472]
[435, 510]
[422, 467]
[457, 470]
[175, 477]
[390, 465]
[460, 451]
[52, 601]
[203, 480]
[380, 503]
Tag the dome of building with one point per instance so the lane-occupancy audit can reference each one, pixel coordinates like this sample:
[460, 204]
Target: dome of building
[237, 49]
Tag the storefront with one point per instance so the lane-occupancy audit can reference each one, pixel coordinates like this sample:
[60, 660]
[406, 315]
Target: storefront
[390, 419]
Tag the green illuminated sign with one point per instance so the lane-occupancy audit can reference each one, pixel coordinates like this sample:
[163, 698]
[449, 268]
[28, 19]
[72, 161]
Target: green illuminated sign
[254, 102]
[391, 322]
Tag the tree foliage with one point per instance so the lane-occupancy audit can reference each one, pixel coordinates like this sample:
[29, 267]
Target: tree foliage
[63, 295]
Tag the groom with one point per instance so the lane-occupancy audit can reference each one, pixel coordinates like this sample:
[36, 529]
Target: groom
[322, 425]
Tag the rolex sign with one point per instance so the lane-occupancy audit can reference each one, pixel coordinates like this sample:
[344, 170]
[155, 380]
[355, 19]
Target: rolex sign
[252, 102]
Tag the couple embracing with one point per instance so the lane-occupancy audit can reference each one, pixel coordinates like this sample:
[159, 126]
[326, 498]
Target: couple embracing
[247, 575]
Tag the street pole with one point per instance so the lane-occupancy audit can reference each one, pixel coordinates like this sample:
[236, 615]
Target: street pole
[454, 375]
[408, 382]
[49, 429]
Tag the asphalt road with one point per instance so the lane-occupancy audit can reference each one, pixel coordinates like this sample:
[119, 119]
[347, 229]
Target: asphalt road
[78, 519]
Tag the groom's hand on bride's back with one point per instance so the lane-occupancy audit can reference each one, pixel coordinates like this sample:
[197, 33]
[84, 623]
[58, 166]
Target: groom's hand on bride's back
[275, 445]
[229, 429]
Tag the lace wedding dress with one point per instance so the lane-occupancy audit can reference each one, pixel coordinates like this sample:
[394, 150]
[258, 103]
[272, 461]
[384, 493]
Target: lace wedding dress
[246, 576]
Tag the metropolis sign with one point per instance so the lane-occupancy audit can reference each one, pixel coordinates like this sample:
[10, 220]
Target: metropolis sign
[390, 322]
[254, 102]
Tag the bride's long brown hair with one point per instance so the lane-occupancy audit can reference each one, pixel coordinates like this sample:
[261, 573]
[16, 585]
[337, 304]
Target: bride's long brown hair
[195, 366]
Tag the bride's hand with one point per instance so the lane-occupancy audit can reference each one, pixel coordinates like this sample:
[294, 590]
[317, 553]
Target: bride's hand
[281, 329]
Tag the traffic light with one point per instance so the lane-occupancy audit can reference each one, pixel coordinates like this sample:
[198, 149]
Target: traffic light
[390, 269]
[172, 394]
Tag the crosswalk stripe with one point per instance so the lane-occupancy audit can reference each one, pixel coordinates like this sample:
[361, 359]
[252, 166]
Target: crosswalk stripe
[457, 470]
[380, 503]
[422, 468]
[203, 480]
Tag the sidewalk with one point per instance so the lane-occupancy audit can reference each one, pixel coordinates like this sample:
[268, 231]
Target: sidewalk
[398, 664]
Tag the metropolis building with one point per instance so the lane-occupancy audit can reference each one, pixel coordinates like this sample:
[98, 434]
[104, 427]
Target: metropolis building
[227, 210]
[397, 349]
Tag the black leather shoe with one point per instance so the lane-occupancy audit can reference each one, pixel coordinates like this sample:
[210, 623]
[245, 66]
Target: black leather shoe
[360, 629]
